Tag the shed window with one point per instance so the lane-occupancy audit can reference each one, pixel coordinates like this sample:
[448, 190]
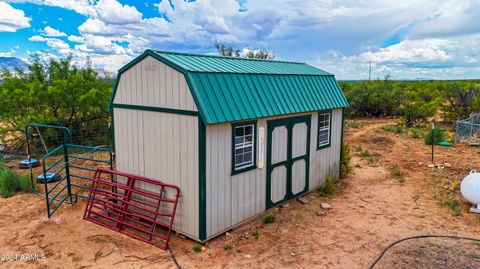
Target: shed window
[244, 147]
[324, 125]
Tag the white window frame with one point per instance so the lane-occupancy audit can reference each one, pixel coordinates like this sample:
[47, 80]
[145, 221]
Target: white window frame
[243, 145]
[323, 129]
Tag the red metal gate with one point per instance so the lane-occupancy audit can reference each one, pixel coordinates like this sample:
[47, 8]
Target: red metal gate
[136, 206]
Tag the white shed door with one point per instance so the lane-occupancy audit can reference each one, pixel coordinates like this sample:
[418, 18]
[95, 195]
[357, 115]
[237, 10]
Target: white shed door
[287, 159]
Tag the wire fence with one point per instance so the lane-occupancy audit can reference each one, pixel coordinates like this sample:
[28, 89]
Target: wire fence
[13, 145]
[468, 130]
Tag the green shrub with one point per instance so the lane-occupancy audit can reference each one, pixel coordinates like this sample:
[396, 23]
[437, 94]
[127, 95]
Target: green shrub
[438, 133]
[415, 110]
[372, 158]
[269, 219]
[365, 153]
[255, 234]
[416, 133]
[329, 186]
[197, 248]
[354, 125]
[396, 173]
[454, 206]
[396, 129]
[12, 182]
[345, 160]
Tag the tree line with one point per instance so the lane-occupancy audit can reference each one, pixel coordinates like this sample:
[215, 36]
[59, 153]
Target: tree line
[415, 102]
[60, 92]
[55, 92]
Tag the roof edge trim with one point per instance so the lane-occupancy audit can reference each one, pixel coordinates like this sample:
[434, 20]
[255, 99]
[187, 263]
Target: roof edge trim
[137, 59]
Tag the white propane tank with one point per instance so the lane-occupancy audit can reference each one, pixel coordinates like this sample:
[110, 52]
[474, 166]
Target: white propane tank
[470, 188]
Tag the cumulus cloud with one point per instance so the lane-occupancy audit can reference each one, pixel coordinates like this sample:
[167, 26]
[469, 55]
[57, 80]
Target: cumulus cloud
[455, 57]
[6, 54]
[9, 53]
[58, 45]
[112, 12]
[36, 38]
[76, 39]
[411, 51]
[12, 19]
[410, 36]
[49, 31]
[83, 7]
[103, 45]
[450, 18]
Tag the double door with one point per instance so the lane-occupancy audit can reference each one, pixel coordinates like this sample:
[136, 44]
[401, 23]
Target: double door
[288, 158]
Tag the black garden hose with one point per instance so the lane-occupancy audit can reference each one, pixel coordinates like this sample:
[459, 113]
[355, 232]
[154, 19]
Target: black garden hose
[418, 237]
[173, 258]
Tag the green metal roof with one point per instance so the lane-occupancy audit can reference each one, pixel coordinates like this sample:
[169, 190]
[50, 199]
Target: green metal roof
[220, 64]
[230, 89]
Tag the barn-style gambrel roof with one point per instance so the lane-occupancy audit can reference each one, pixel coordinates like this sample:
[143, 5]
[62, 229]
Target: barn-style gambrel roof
[227, 89]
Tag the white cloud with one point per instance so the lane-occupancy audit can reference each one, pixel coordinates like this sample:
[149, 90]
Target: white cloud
[411, 51]
[76, 39]
[111, 11]
[9, 53]
[36, 38]
[12, 19]
[83, 7]
[450, 18]
[110, 62]
[411, 37]
[6, 54]
[58, 45]
[455, 57]
[49, 31]
[103, 45]
[94, 26]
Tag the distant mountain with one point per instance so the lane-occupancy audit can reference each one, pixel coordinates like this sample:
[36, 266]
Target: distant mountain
[11, 62]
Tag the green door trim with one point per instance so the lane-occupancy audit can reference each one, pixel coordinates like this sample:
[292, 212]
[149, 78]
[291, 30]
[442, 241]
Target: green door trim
[289, 123]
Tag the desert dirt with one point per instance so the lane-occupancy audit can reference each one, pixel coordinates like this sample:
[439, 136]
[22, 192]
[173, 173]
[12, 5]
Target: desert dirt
[371, 208]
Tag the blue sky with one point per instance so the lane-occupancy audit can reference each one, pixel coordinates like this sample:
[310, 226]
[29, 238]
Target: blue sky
[405, 39]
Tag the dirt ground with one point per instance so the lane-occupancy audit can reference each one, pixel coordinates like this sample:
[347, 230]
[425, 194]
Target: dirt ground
[390, 194]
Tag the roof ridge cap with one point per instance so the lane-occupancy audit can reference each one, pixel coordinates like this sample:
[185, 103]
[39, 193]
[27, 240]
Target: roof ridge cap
[225, 57]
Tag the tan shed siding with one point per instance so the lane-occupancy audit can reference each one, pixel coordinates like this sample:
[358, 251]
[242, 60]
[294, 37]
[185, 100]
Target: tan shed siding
[233, 199]
[162, 146]
[153, 83]
[230, 199]
[327, 158]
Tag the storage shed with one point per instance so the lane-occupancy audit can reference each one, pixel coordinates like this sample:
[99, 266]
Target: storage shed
[238, 136]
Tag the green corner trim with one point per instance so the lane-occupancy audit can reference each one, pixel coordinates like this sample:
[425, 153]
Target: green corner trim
[329, 129]
[157, 109]
[202, 184]
[341, 144]
[112, 130]
[254, 165]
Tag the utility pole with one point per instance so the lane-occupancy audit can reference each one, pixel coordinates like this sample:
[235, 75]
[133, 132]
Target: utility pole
[369, 69]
